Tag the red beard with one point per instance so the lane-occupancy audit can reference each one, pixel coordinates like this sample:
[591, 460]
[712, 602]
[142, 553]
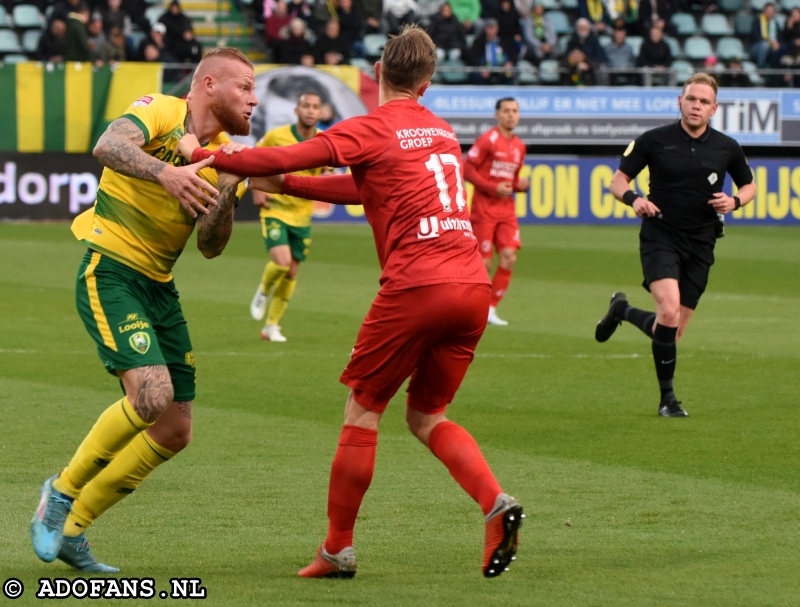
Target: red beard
[232, 121]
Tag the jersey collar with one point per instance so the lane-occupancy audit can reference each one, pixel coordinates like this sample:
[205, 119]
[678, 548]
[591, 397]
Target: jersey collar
[688, 137]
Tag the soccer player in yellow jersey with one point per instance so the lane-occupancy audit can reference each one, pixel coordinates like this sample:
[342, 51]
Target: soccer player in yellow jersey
[285, 223]
[148, 204]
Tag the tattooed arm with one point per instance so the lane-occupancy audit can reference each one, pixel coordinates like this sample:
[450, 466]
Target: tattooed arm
[120, 149]
[214, 229]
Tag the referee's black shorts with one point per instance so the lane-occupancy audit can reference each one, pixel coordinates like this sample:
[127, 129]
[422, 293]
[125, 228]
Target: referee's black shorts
[667, 253]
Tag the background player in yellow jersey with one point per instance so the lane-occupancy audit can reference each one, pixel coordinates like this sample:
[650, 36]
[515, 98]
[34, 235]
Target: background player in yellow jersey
[285, 223]
[148, 204]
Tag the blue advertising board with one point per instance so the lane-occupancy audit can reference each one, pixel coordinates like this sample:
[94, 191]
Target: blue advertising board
[602, 116]
[576, 191]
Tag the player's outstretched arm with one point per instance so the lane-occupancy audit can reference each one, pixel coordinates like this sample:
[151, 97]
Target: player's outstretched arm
[336, 189]
[214, 229]
[264, 162]
[120, 149]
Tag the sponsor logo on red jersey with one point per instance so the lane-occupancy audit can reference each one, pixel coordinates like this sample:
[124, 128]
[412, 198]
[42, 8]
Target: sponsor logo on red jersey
[430, 227]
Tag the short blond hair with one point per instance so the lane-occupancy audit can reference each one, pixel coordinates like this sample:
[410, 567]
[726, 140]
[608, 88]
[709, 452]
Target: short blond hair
[409, 59]
[701, 78]
[226, 52]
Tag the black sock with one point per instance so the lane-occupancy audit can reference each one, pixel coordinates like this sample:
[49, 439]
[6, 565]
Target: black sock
[641, 319]
[664, 355]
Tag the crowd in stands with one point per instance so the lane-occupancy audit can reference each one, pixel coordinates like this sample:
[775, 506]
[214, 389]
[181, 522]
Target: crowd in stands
[588, 42]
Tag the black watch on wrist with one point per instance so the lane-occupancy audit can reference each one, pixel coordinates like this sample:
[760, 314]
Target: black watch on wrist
[738, 203]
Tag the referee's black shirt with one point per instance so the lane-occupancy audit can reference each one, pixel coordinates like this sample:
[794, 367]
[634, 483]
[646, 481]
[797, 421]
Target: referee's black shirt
[686, 172]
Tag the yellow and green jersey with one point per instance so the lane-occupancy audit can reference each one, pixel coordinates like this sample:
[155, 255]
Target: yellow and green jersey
[134, 221]
[289, 209]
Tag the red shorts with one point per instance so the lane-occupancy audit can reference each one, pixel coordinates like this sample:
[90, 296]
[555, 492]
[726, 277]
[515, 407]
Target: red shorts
[502, 233]
[428, 333]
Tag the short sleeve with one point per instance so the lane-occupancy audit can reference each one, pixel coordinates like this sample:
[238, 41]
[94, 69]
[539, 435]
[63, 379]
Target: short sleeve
[738, 168]
[357, 140]
[635, 157]
[153, 114]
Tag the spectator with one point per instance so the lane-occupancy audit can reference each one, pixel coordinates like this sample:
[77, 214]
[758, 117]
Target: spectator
[447, 32]
[115, 17]
[176, 22]
[188, 49]
[300, 9]
[331, 48]
[114, 48]
[652, 11]
[51, 44]
[576, 70]
[791, 38]
[467, 12]
[620, 56]
[736, 76]
[625, 14]
[154, 47]
[296, 49]
[351, 27]
[397, 13]
[427, 9]
[135, 10]
[76, 39]
[655, 51]
[327, 117]
[275, 26]
[62, 9]
[539, 35]
[585, 41]
[96, 34]
[372, 12]
[488, 50]
[508, 22]
[596, 13]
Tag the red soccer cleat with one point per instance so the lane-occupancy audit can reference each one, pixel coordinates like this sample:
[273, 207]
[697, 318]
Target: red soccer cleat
[342, 565]
[502, 538]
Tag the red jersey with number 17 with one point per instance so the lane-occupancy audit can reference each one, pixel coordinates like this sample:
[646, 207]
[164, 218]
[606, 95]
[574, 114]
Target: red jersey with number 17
[496, 159]
[406, 164]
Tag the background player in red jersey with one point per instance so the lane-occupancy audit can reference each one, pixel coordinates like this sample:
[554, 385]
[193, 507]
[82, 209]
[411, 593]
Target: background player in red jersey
[430, 311]
[493, 165]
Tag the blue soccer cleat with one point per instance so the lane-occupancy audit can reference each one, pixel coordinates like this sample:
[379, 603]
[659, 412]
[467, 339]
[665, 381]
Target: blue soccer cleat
[75, 552]
[47, 524]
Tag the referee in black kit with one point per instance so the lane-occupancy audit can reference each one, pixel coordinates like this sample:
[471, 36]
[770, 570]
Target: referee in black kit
[688, 161]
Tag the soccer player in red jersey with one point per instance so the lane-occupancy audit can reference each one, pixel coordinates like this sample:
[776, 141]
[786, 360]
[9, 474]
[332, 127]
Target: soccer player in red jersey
[430, 311]
[493, 165]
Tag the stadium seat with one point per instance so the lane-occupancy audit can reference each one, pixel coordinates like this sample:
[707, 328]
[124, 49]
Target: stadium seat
[756, 6]
[30, 40]
[454, 76]
[563, 41]
[548, 72]
[731, 6]
[685, 24]
[752, 72]
[527, 73]
[3, 17]
[604, 40]
[683, 69]
[716, 24]
[697, 48]
[788, 5]
[674, 46]
[153, 14]
[360, 63]
[742, 23]
[570, 5]
[27, 15]
[780, 19]
[550, 5]
[635, 42]
[15, 58]
[560, 22]
[729, 47]
[374, 43]
[9, 43]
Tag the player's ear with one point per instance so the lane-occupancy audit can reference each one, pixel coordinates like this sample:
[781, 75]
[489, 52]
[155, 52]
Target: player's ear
[423, 88]
[378, 71]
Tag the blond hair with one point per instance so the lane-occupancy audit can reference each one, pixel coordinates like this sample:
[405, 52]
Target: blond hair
[226, 52]
[409, 59]
[701, 78]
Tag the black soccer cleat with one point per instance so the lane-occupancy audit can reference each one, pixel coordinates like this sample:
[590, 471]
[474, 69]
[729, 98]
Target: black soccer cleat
[613, 318]
[671, 407]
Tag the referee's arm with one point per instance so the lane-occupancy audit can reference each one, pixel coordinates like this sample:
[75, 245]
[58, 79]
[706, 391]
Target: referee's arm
[620, 184]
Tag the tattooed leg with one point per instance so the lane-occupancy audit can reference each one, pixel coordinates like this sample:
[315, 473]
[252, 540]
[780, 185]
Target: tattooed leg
[149, 390]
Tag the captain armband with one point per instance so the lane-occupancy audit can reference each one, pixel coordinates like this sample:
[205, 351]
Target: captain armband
[629, 197]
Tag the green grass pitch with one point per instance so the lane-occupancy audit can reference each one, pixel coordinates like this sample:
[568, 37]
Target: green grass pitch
[624, 508]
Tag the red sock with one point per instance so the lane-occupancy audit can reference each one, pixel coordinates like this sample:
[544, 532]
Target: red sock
[460, 453]
[499, 285]
[351, 475]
